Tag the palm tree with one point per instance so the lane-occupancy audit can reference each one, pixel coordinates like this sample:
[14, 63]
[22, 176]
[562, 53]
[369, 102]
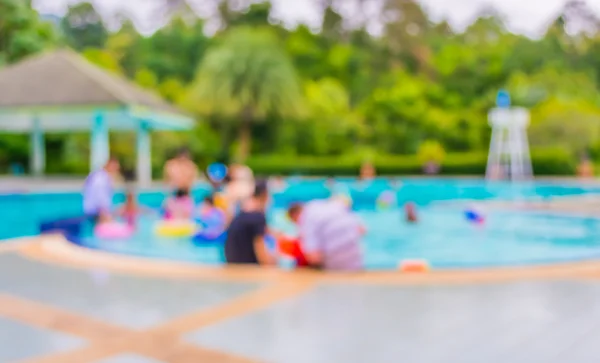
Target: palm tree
[246, 78]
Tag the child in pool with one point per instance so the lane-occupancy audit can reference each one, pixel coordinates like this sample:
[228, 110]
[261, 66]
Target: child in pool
[208, 208]
[179, 207]
[130, 210]
[411, 213]
[212, 218]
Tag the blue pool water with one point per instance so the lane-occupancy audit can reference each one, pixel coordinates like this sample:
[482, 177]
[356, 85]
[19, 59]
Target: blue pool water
[442, 236]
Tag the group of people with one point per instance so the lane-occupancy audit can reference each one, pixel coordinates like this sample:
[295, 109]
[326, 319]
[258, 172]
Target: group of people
[180, 175]
[329, 232]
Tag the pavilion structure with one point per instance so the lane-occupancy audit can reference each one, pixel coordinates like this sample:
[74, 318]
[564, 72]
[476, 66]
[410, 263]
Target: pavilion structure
[61, 91]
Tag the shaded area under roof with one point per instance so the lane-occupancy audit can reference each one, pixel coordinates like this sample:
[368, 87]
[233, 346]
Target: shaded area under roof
[63, 91]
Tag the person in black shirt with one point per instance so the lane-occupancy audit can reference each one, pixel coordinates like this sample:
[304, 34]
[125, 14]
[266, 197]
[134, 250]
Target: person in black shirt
[245, 237]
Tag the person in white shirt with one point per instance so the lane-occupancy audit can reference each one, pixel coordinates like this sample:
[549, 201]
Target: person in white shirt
[98, 192]
[330, 234]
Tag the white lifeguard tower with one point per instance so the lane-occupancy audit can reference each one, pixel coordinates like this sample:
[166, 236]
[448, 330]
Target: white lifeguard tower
[509, 149]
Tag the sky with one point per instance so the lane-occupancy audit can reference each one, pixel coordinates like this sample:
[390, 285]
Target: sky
[527, 17]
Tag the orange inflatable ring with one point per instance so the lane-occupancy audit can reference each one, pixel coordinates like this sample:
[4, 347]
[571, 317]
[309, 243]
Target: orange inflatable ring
[414, 266]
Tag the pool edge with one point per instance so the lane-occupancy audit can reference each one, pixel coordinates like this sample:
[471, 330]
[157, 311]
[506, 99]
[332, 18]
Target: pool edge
[56, 250]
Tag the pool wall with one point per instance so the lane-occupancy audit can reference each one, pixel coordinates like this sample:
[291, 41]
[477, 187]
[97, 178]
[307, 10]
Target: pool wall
[24, 214]
[27, 214]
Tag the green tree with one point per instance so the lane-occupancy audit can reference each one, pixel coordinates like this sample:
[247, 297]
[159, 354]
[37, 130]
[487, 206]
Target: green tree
[145, 78]
[431, 151]
[530, 89]
[332, 26]
[247, 77]
[406, 27]
[175, 50]
[564, 107]
[22, 32]
[244, 13]
[332, 127]
[308, 52]
[103, 58]
[397, 113]
[474, 63]
[572, 125]
[127, 45]
[83, 27]
[172, 89]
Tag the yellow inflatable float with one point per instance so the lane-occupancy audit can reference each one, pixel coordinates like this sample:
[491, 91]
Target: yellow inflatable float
[176, 228]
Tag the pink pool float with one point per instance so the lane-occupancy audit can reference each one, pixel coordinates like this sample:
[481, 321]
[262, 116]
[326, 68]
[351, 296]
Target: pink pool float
[113, 230]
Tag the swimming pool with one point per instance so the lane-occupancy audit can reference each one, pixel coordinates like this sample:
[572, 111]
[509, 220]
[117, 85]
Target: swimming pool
[442, 236]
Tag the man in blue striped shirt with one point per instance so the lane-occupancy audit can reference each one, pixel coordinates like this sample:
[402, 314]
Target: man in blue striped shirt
[330, 234]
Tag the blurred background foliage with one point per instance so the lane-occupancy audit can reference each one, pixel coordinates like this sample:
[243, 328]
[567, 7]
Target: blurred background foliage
[312, 101]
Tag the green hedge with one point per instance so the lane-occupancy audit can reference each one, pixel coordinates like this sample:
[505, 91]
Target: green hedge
[545, 162]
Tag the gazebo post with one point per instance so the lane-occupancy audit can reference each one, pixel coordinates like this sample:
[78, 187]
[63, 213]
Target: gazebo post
[100, 147]
[38, 148]
[144, 159]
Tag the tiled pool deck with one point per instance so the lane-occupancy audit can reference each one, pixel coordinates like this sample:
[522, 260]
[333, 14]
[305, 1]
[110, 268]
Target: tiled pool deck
[60, 303]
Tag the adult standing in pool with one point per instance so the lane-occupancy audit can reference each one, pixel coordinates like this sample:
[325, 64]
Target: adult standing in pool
[238, 187]
[585, 169]
[367, 171]
[98, 191]
[181, 173]
[241, 183]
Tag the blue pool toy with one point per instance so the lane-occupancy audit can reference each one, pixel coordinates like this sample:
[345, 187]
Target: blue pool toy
[474, 216]
[203, 239]
[216, 172]
[213, 227]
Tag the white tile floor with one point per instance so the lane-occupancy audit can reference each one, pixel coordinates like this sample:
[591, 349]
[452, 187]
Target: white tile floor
[20, 341]
[519, 322]
[545, 322]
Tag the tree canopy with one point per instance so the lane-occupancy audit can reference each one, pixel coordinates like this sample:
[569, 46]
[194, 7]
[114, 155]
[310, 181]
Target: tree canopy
[258, 87]
[246, 78]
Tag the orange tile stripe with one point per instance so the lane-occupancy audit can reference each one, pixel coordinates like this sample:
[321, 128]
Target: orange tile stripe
[243, 305]
[188, 353]
[163, 348]
[44, 316]
[161, 342]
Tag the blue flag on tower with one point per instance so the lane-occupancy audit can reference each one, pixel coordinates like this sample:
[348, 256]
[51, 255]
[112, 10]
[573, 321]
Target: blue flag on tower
[503, 99]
